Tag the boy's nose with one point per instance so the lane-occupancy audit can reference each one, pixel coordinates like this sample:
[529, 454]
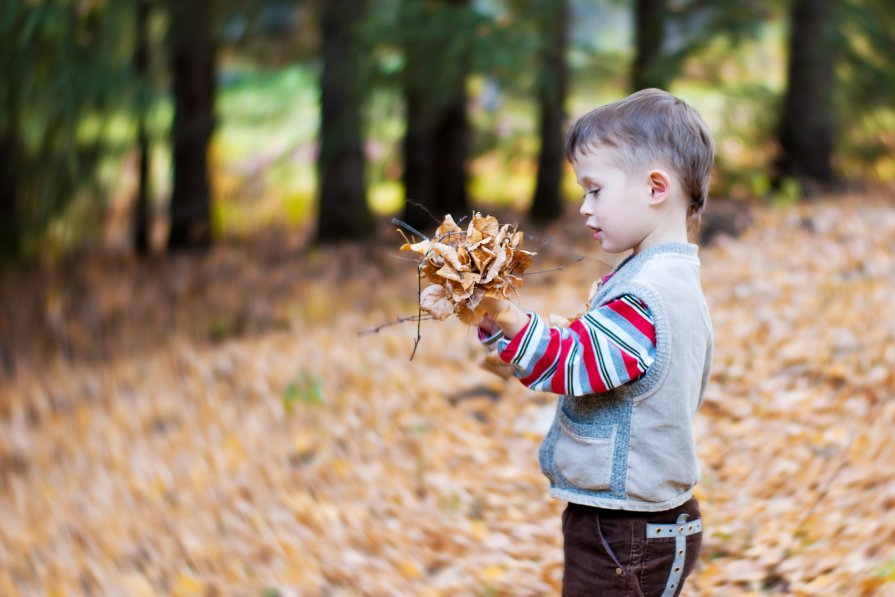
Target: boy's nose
[585, 210]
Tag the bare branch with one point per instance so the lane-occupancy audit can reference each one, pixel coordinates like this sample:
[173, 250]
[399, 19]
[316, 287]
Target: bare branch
[435, 218]
[404, 319]
[402, 258]
[419, 307]
[408, 228]
[549, 243]
[577, 259]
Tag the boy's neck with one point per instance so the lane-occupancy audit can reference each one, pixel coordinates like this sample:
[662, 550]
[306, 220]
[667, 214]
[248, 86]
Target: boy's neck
[662, 235]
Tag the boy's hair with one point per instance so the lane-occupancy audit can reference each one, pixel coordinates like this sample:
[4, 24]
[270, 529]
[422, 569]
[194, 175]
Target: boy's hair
[648, 126]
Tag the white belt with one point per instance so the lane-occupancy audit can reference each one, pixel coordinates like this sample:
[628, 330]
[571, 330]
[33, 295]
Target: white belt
[680, 531]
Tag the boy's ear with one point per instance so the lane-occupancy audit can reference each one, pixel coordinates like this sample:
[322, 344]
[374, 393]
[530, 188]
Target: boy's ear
[660, 186]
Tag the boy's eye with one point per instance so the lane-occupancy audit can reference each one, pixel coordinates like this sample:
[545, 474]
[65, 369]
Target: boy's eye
[593, 192]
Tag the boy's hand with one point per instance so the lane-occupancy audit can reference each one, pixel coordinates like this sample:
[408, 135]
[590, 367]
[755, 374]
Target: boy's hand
[488, 325]
[491, 362]
[506, 315]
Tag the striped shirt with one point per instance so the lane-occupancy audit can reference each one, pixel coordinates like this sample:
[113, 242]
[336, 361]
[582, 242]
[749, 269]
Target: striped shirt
[606, 348]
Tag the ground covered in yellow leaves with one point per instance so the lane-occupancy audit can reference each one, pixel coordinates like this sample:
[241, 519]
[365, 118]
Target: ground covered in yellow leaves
[216, 425]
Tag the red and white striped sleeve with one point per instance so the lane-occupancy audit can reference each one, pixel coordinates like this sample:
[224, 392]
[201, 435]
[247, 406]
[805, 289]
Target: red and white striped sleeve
[606, 348]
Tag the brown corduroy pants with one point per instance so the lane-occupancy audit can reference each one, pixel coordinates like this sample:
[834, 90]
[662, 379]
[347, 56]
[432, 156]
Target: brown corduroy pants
[608, 553]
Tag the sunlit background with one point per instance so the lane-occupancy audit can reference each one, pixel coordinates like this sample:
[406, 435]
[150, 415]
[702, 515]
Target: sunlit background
[204, 384]
[75, 95]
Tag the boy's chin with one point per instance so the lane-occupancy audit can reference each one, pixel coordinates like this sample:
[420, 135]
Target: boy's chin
[605, 243]
[612, 248]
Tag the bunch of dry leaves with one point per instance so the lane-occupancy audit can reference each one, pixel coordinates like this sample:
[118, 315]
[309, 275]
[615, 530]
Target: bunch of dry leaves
[464, 267]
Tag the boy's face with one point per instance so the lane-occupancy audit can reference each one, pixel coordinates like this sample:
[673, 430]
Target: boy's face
[616, 203]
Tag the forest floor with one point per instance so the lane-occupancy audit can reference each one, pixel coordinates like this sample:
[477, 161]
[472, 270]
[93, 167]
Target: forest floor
[216, 425]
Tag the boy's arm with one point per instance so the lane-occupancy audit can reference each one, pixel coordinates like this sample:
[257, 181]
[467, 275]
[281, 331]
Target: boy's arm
[606, 348]
[504, 315]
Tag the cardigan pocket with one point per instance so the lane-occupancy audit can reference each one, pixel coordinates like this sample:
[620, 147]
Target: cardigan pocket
[585, 460]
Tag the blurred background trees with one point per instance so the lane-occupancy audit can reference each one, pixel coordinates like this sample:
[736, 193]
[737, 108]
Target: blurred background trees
[192, 57]
[342, 196]
[154, 124]
[807, 118]
[435, 39]
[65, 71]
[551, 88]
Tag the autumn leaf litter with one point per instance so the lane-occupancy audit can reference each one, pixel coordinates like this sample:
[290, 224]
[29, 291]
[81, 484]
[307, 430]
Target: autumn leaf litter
[181, 471]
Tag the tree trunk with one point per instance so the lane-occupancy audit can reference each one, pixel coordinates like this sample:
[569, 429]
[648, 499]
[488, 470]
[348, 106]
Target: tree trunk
[547, 201]
[343, 212]
[193, 72]
[10, 224]
[650, 34]
[142, 220]
[807, 122]
[452, 138]
[419, 159]
[436, 142]
[451, 148]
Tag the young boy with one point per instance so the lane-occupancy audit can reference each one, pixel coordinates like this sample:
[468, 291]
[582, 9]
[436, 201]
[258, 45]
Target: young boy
[632, 372]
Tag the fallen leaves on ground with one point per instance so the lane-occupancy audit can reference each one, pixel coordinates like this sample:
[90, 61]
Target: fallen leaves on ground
[310, 461]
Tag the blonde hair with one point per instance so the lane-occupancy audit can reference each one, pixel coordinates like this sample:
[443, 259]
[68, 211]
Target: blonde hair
[652, 126]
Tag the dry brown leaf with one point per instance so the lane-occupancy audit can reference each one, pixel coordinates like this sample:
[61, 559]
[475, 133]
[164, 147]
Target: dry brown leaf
[435, 301]
[459, 295]
[420, 247]
[465, 314]
[449, 273]
[447, 227]
[482, 257]
[449, 254]
[496, 265]
[475, 298]
[487, 225]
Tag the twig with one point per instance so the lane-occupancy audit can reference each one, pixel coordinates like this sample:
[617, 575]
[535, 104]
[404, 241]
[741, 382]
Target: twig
[403, 319]
[402, 258]
[425, 209]
[408, 228]
[577, 259]
[419, 307]
[544, 242]
[549, 243]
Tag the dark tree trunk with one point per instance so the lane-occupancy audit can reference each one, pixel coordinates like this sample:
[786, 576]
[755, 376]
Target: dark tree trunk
[547, 201]
[343, 212]
[436, 142]
[10, 224]
[807, 122]
[419, 160]
[192, 59]
[650, 34]
[142, 220]
[451, 148]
